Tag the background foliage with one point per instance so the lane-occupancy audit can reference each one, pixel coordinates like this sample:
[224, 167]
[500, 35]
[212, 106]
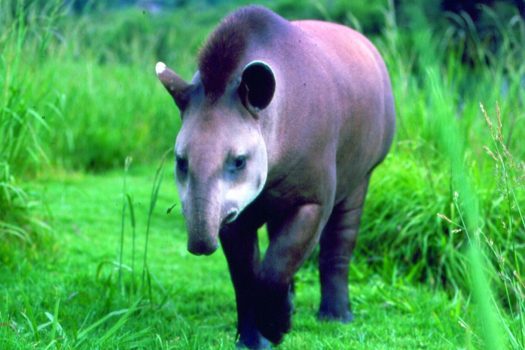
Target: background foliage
[78, 94]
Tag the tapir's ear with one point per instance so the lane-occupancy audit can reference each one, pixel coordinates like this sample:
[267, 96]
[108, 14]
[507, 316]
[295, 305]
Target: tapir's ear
[257, 86]
[178, 88]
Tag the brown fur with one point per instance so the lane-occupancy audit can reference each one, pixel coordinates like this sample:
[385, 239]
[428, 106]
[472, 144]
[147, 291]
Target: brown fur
[226, 46]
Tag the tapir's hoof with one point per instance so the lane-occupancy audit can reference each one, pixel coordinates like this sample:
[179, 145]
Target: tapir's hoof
[254, 344]
[343, 317]
[274, 313]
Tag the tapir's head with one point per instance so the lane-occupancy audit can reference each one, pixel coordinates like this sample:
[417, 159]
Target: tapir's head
[221, 156]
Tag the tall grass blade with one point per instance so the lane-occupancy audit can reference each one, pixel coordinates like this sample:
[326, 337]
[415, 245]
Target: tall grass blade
[157, 181]
[127, 164]
[133, 238]
[486, 311]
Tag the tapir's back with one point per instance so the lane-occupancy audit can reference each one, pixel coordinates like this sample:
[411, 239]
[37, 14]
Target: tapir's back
[346, 97]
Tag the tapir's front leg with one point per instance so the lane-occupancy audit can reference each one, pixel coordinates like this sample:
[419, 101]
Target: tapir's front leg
[239, 242]
[292, 238]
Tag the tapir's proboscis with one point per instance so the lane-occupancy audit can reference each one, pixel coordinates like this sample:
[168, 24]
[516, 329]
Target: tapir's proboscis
[282, 125]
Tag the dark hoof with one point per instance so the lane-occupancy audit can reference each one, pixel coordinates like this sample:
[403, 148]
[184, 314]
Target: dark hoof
[260, 343]
[343, 317]
[274, 313]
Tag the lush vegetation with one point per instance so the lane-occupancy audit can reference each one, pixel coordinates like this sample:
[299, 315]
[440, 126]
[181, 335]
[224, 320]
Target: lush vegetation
[443, 232]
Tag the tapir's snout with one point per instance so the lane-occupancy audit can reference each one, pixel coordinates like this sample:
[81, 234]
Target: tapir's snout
[199, 244]
[202, 216]
[202, 246]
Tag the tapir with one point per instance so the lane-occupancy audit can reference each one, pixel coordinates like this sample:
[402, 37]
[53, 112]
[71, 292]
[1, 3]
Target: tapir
[282, 125]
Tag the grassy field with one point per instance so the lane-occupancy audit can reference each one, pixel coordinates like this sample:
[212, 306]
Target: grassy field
[441, 253]
[58, 301]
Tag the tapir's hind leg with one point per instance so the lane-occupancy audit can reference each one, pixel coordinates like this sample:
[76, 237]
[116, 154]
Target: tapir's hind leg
[337, 243]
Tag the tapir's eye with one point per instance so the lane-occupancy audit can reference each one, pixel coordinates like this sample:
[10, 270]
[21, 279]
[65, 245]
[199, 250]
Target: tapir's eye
[182, 165]
[240, 162]
[236, 164]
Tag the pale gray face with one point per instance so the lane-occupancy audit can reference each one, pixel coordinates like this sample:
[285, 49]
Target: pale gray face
[222, 161]
[222, 165]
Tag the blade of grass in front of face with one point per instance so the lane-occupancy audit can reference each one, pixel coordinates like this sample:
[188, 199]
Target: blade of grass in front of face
[127, 162]
[157, 181]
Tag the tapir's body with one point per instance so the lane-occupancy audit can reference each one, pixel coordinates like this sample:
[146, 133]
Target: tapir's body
[282, 125]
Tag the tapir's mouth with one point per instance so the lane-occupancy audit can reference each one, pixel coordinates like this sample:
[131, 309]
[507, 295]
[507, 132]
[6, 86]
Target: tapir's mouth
[230, 217]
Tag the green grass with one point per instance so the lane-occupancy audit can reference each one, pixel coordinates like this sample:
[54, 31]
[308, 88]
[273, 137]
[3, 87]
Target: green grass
[20, 128]
[192, 307]
[443, 232]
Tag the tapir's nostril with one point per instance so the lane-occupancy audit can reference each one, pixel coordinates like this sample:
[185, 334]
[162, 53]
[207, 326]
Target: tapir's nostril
[231, 216]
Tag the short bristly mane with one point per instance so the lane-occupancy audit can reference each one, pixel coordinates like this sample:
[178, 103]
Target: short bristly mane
[227, 44]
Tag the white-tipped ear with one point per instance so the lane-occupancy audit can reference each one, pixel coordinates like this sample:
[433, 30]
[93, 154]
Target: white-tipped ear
[160, 67]
[176, 86]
